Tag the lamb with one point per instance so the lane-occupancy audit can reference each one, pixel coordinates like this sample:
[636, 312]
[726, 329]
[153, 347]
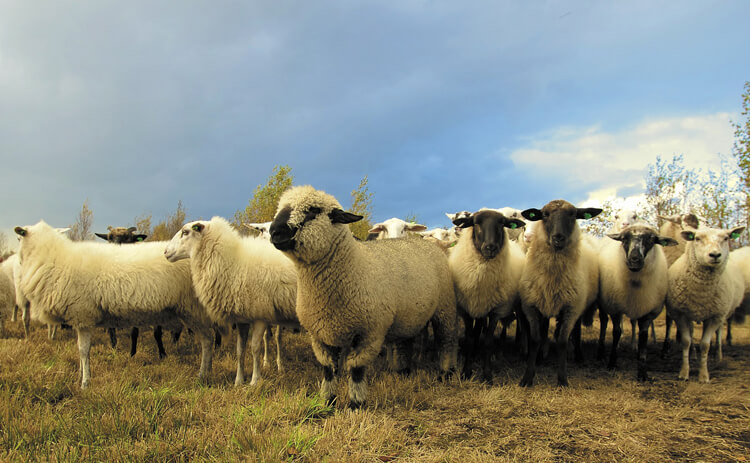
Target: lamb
[242, 281]
[352, 296]
[486, 268]
[623, 219]
[632, 282]
[123, 235]
[560, 279]
[705, 285]
[101, 284]
[393, 228]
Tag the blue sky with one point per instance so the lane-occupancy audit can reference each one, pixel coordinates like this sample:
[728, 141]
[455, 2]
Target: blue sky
[445, 106]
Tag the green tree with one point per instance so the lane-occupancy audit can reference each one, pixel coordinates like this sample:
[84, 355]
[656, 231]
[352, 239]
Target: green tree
[361, 205]
[81, 228]
[166, 229]
[143, 224]
[262, 206]
[741, 149]
[670, 186]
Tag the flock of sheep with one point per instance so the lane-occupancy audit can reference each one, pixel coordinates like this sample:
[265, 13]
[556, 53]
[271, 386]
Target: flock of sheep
[357, 298]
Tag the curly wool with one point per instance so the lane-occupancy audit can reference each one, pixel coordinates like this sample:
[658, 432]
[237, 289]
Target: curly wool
[483, 285]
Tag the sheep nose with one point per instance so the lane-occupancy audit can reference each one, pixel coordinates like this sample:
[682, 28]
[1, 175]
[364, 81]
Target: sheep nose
[558, 240]
[714, 255]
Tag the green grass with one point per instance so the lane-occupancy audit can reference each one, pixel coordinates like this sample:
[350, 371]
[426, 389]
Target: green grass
[143, 408]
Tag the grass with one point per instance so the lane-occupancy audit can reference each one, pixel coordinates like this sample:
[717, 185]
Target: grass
[143, 408]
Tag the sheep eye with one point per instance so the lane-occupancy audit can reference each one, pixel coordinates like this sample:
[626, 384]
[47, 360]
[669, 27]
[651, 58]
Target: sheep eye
[313, 210]
[185, 232]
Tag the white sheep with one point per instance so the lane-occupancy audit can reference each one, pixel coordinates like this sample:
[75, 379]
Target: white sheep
[261, 228]
[352, 296]
[242, 281]
[393, 228]
[705, 285]
[560, 279]
[632, 282]
[7, 300]
[101, 284]
[486, 267]
[6, 268]
[741, 258]
[623, 218]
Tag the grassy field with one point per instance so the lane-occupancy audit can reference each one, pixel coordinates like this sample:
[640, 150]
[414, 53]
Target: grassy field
[143, 408]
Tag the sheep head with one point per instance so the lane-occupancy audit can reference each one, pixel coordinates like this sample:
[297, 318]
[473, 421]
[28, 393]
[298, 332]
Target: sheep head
[186, 241]
[488, 230]
[638, 240]
[559, 221]
[709, 247]
[395, 228]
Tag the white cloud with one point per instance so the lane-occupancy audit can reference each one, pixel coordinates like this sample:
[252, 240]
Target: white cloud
[607, 162]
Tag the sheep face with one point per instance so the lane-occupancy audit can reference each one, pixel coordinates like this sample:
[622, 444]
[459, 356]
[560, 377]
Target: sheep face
[121, 235]
[637, 241]
[710, 246]
[625, 218]
[184, 243]
[395, 228]
[307, 223]
[488, 230]
[559, 221]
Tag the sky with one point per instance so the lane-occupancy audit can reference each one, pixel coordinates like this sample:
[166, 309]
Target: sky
[445, 106]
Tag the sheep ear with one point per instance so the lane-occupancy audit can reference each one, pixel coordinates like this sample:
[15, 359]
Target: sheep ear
[141, 237]
[20, 231]
[666, 241]
[464, 222]
[198, 227]
[451, 216]
[736, 232]
[687, 235]
[532, 214]
[691, 220]
[377, 228]
[615, 236]
[102, 236]
[415, 227]
[587, 212]
[340, 216]
[62, 230]
[669, 218]
[514, 223]
[132, 229]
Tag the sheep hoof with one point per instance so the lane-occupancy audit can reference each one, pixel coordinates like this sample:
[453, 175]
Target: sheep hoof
[683, 376]
[562, 382]
[643, 376]
[703, 378]
[526, 382]
[355, 405]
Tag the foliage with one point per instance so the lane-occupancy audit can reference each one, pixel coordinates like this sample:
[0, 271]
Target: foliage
[166, 229]
[670, 187]
[81, 228]
[741, 149]
[411, 217]
[262, 207]
[361, 205]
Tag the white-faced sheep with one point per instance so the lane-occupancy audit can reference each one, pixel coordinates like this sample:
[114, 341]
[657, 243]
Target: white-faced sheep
[352, 296]
[102, 285]
[128, 235]
[486, 267]
[242, 281]
[560, 279]
[632, 282]
[705, 285]
[393, 228]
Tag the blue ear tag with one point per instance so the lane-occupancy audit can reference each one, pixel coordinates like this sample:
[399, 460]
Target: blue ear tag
[513, 225]
[586, 215]
[735, 235]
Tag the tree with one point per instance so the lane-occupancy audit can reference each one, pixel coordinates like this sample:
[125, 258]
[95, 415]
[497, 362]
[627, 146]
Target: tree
[81, 229]
[361, 205]
[166, 229]
[143, 224]
[262, 206]
[670, 186]
[741, 149]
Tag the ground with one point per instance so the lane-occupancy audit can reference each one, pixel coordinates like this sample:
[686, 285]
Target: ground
[143, 408]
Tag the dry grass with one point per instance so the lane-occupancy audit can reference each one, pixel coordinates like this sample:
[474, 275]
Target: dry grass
[145, 409]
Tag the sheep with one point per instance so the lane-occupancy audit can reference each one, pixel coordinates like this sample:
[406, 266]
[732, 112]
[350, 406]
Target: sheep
[261, 228]
[440, 234]
[560, 279]
[393, 228]
[7, 300]
[741, 258]
[242, 281]
[352, 296]
[632, 282]
[123, 235]
[705, 285]
[623, 219]
[100, 284]
[6, 269]
[486, 267]
[672, 227]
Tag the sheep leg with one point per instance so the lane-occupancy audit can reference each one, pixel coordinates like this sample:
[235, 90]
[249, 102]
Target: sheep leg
[686, 329]
[207, 353]
[259, 329]
[402, 354]
[643, 324]
[176, 335]
[279, 350]
[14, 316]
[521, 333]
[26, 317]
[266, 336]
[467, 346]
[158, 332]
[633, 332]
[719, 355]
[51, 331]
[566, 322]
[710, 327]
[328, 356]
[603, 320]
[729, 331]
[363, 352]
[488, 346]
[134, 341]
[444, 329]
[665, 347]
[242, 331]
[217, 339]
[616, 333]
[577, 350]
[112, 337]
[533, 328]
[544, 339]
[84, 349]
[653, 330]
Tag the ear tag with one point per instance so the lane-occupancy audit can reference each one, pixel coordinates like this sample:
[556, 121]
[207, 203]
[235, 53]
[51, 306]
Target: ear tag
[735, 235]
[586, 215]
[453, 244]
[663, 242]
[513, 225]
[139, 239]
[196, 227]
[691, 236]
[532, 214]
